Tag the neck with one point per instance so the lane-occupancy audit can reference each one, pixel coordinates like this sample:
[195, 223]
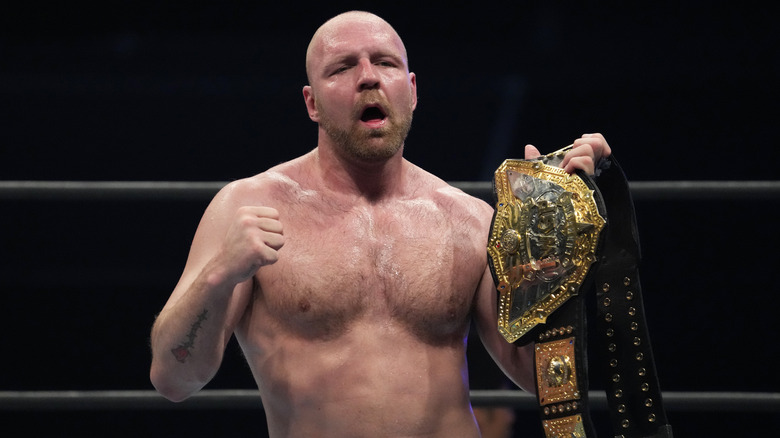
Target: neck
[373, 181]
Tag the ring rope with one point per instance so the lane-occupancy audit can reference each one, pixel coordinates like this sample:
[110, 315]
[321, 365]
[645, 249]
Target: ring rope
[190, 190]
[224, 399]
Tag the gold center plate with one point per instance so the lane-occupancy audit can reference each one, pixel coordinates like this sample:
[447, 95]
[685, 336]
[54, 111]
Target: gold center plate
[542, 242]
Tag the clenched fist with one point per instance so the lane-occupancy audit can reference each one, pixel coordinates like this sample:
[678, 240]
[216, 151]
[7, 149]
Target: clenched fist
[252, 240]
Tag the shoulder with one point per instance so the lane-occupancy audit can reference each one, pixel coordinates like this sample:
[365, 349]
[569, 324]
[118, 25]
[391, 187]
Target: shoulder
[268, 187]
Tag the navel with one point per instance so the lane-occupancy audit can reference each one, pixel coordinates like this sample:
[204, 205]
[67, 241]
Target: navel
[304, 305]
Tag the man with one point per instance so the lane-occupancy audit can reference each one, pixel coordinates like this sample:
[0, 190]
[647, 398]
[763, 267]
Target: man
[348, 275]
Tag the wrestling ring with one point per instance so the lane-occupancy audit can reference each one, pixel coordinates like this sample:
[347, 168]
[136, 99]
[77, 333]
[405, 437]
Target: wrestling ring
[762, 403]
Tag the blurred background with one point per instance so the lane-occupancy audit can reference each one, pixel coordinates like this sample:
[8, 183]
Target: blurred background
[211, 91]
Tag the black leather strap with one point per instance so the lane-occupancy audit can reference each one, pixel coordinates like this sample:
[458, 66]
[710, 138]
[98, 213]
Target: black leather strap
[566, 325]
[620, 334]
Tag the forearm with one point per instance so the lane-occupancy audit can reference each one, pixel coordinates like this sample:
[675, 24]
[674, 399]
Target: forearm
[189, 336]
[520, 366]
[517, 362]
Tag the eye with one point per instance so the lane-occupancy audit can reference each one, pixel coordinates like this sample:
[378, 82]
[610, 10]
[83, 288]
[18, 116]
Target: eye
[340, 68]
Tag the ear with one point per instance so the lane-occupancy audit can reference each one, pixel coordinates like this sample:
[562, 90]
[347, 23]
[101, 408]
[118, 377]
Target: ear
[311, 107]
[413, 80]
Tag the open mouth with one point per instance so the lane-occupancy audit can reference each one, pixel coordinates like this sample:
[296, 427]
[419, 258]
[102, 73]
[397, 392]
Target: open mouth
[372, 114]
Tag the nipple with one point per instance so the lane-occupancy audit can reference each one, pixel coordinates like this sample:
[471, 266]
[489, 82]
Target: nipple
[304, 305]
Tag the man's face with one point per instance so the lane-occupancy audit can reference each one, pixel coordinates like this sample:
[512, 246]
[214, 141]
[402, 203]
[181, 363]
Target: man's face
[361, 92]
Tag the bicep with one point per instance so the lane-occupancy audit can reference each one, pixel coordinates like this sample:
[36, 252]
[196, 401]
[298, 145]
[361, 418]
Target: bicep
[205, 245]
[515, 361]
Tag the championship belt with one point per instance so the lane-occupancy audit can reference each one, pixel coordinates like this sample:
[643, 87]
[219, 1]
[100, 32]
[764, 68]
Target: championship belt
[556, 236]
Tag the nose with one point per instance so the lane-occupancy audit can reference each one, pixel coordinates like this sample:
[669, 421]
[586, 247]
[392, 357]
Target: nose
[369, 76]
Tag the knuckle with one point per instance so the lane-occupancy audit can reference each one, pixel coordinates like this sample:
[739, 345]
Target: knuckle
[246, 220]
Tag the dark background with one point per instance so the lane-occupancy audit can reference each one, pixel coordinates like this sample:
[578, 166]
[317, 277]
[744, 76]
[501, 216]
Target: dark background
[171, 91]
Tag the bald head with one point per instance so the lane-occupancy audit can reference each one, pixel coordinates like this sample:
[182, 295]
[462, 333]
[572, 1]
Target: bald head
[326, 34]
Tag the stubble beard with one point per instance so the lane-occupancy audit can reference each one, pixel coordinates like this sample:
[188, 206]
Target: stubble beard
[366, 145]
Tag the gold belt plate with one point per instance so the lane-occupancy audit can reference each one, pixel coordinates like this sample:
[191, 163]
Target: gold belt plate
[542, 242]
[571, 426]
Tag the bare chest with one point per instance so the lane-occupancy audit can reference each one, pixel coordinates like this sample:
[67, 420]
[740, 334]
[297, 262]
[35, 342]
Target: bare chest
[411, 265]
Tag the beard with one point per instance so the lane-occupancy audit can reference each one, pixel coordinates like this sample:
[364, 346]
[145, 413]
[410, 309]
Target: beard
[368, 145]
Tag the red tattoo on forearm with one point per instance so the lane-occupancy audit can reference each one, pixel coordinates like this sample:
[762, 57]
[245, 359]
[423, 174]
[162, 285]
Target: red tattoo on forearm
[184, 350]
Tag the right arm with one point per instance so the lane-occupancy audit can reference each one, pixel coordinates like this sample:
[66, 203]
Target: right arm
[191, 332]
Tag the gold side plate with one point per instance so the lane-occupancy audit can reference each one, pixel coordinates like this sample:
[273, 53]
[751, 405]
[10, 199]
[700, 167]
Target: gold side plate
[571, 426]
[556, 372]
[542, 242]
